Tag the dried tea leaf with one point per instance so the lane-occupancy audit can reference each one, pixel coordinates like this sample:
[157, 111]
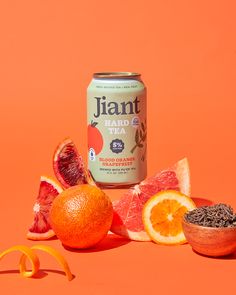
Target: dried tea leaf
[219, 215]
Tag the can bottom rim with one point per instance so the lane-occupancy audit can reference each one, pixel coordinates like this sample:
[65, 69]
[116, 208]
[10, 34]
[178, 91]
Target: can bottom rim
[106, 185]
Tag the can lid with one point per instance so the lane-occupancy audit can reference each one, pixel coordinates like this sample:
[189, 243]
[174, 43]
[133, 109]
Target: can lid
[116, 75]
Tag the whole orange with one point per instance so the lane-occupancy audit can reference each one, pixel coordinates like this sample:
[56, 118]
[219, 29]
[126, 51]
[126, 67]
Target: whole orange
[81, 216]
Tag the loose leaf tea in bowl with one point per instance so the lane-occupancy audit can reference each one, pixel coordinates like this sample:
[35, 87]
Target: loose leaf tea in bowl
[219, 215]
[211, 230]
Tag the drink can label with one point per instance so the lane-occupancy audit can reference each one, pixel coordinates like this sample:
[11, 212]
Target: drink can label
[117, 131]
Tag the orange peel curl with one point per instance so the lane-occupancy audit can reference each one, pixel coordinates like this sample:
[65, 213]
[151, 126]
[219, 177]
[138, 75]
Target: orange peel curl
[29, 253]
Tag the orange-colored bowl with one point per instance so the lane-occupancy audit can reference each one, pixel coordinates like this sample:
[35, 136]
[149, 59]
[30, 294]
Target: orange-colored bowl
[210, 241]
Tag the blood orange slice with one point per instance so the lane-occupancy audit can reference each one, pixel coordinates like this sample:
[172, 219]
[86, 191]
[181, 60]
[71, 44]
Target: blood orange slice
[68, 165]
[127, 218]
[41, 229]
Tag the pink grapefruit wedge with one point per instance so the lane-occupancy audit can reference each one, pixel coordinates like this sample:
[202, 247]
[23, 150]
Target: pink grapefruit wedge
[127, 218]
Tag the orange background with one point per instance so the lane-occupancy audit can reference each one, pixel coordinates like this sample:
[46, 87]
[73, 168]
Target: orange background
[186, 52]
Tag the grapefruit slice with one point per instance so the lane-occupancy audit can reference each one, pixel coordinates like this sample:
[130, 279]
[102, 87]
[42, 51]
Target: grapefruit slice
[68, 165]
[40, 228]
[127, 218]
[163, 214]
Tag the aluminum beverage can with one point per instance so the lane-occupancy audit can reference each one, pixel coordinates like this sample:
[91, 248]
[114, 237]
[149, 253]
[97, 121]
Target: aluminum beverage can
[117, 129]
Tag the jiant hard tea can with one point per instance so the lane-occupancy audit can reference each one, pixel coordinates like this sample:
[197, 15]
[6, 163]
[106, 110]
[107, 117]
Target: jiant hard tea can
[117, 129]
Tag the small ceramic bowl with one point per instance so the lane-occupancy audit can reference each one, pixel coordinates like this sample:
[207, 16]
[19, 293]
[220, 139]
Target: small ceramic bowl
[210, 241]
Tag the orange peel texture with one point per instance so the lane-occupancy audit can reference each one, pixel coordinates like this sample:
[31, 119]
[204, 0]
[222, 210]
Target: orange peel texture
[58, 256]
[29, 253]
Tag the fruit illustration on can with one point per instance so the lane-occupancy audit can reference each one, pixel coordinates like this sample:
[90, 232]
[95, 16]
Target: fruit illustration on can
[95, 139]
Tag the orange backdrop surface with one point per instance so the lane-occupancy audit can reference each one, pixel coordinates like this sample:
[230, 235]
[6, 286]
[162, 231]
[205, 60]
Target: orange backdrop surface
[186, 52]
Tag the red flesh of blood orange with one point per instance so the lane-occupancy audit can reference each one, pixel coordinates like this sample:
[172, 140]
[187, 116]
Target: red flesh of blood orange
[41, 228]
[68, 165]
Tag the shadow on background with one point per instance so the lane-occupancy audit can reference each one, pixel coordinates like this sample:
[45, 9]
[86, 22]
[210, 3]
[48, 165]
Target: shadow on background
[226, 257]
[111, 241]
[39, 275]
[53, 238]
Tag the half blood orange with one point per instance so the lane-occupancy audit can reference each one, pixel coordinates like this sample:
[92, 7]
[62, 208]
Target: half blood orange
[127, 218]
[41, 228]
[69, 166]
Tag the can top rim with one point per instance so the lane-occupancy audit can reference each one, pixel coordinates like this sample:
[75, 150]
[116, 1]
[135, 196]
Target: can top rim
[115, 75]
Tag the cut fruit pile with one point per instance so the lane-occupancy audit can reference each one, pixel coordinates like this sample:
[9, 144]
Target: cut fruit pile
[70, 170]
[127, 220]
[34, 260]
[131, 217]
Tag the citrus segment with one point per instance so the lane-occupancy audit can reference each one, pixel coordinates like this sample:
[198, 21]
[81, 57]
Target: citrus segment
[127, 218]
[28, 253]
[68, 165]
[162, 216]
[41, 228]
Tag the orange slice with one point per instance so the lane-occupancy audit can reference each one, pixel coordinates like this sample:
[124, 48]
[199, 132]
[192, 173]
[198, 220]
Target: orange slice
[33, 258]
[162, 217]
